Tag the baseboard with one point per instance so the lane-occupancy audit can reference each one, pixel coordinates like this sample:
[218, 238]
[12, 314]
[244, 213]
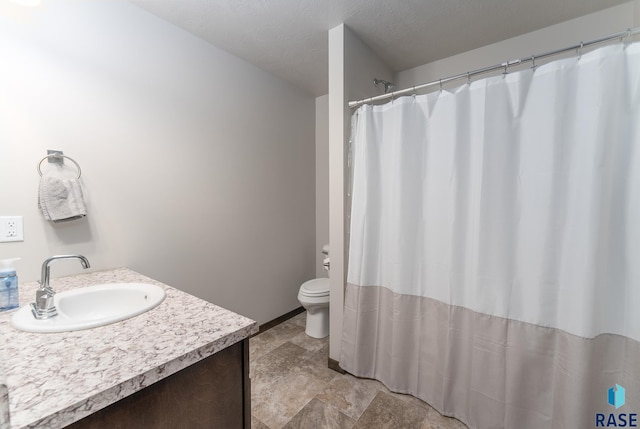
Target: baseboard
[278, 320]
[335, 365]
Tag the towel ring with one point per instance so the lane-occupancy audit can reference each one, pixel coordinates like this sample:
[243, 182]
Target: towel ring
[57, 155]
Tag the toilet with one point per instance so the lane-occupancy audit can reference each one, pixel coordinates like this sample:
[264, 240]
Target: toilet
[314, 297]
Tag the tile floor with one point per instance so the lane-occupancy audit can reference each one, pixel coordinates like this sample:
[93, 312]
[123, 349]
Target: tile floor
[293, 388]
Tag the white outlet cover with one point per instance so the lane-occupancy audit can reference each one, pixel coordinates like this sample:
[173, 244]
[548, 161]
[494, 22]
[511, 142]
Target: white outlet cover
[11, 229]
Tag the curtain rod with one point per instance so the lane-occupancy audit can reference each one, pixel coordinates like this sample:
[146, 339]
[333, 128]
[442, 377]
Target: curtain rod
[621, 35]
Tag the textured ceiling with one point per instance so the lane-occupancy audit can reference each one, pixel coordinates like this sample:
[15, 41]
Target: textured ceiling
[289, 37]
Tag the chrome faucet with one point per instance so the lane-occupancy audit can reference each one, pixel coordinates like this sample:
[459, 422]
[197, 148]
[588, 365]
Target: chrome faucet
[44, 308]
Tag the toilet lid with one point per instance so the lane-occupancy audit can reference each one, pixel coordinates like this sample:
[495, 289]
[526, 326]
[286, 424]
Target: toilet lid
[315, 287]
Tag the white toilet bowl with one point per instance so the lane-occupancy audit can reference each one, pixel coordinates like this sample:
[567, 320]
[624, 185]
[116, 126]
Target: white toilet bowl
[314, 297]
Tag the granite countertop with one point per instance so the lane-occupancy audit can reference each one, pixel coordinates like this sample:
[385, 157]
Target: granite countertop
[57, 378]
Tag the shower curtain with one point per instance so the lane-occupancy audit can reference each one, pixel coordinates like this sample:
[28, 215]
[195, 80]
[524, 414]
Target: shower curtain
[494, 260]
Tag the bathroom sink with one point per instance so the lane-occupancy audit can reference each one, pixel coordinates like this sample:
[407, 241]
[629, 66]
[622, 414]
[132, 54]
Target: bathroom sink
[92, 306]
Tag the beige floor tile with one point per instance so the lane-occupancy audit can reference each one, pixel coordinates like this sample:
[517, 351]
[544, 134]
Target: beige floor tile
[316, 415]
[309, 343]
[388, 412]
[321, 371]
[348, 395]
[278, 361]
[286, 330]
[271, 339]
[260, 345]
[320, 356]
[404, 397]
[438, 421]
[257, 424]
[277, 405]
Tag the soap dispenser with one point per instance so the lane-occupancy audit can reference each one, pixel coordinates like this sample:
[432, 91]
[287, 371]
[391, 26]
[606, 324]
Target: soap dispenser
[8, 285]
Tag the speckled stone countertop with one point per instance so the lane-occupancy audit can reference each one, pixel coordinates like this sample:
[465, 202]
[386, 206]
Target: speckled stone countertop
[58, 378]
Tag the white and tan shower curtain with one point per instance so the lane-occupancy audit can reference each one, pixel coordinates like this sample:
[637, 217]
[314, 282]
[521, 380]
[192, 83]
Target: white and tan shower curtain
[494, 261]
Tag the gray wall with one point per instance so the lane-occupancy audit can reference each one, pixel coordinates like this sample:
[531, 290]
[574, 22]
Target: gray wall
[198, 167]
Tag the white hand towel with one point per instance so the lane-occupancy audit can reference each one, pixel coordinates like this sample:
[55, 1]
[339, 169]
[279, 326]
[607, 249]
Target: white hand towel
[60, 199]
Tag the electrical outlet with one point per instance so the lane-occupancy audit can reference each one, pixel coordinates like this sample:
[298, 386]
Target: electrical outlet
[11, 229]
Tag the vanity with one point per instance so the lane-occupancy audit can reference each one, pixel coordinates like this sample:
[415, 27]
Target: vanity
[184, 363]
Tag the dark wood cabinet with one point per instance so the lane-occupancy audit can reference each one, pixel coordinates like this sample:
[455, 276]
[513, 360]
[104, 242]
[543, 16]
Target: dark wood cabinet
[212, 393]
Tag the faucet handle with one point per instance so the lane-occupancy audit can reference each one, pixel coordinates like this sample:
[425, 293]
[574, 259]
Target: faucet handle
[44, 307]
[45, 293]
[44, 297]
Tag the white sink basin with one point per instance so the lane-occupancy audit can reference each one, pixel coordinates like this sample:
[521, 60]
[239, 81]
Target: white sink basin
[92, 306]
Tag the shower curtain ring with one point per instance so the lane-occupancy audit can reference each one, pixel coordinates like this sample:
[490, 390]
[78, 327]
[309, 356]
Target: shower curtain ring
[506, 65]
[626, 38]
[580, 50]
[468, 78]
[440, 85]
[533, 60]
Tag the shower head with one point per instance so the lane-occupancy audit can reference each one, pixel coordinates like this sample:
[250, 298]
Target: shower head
[388, 86]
